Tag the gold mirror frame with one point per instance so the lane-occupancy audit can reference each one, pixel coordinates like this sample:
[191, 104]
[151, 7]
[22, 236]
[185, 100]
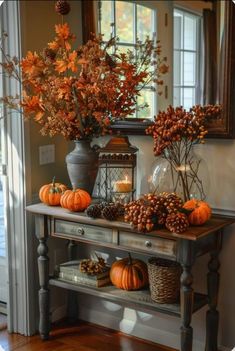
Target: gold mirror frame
[225, 128]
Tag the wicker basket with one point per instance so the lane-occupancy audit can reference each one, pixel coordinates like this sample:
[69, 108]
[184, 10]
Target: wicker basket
[164, 280]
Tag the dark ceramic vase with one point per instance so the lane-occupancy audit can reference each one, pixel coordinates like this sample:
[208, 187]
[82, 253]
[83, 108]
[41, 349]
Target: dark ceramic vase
[82, 165]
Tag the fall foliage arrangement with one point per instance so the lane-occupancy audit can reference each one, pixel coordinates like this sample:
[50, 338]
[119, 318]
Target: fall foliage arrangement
[78, 93]
[175, 132]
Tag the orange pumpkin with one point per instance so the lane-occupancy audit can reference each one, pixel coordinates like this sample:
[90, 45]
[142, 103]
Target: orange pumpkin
[75, 200]
[129, 274]
[51, 193]
[201, 211]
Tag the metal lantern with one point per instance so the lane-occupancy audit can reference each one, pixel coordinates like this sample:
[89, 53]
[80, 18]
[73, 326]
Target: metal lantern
[116, 179]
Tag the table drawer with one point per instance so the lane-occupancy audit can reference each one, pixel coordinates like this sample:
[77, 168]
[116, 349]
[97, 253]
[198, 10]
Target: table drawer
[147, 243]
[81, 232]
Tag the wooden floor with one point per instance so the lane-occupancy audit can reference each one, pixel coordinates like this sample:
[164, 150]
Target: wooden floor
[82, 337]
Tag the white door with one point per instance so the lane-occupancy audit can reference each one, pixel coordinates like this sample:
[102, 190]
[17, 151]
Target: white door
[3, 264]
[3, 256]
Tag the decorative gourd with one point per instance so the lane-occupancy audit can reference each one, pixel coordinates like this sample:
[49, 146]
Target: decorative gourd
[51, 193]
[201, 211]
[129, 274]
[76, 200]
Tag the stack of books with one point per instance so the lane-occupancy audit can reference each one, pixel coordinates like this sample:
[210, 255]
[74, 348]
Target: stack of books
[69, 271]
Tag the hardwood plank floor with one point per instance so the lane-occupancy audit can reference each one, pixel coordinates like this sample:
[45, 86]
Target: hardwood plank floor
[83, 337]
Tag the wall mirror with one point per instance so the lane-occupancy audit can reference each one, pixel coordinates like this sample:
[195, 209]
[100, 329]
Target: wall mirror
[198, 38]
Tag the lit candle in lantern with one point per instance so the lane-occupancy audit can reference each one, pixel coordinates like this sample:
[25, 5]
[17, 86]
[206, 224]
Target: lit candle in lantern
[123, 186]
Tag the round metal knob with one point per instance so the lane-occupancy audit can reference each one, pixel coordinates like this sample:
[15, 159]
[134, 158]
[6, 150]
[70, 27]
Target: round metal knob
[148, 243]
[80, 231]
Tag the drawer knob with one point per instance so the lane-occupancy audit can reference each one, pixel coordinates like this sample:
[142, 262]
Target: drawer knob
[148, 243]
[80, 231]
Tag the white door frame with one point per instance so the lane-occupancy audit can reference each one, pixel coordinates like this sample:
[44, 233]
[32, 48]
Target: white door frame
[21, 299]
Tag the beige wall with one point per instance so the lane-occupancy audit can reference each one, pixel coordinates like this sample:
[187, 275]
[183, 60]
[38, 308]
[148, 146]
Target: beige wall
[38, 19]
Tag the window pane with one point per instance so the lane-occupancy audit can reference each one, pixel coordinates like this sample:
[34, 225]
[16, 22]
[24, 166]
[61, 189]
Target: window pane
[178, 96]
[189, 98]
[189, 68]
[178, 57]
[125, 21]
[144, 22]
[125, 49]
[106, 19]
[178, 30]
[190, 33]
[146, 97]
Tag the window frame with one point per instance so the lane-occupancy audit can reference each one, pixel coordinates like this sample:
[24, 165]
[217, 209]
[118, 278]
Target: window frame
[198, 54]
[132, 45]
[226, 128]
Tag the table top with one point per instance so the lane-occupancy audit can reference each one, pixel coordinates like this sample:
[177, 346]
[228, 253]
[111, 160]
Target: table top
[193, 233]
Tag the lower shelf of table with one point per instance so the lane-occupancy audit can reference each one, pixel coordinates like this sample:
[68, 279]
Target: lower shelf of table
[137, 299]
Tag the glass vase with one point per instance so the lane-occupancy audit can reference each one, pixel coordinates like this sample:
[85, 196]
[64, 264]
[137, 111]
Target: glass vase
[188, 178]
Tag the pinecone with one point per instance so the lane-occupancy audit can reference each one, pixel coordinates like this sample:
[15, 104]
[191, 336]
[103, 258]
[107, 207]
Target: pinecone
[50, 54]
[177, 222]
[172, 202]
[103, 204]
[121, 208]
[92, 267]
[62, 7]
[110, 212]
[93, 211]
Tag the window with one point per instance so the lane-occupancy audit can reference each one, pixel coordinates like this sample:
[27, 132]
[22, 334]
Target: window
[130, 22]
[187, 85]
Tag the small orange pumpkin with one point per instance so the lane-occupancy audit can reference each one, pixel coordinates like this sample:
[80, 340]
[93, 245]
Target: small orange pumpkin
[129, 274]
[51, 193]
[201, 211]
[75, 200]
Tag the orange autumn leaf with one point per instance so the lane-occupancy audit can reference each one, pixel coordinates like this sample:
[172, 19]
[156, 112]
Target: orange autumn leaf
[61, 66]
[72, 64]
[63, 31]
[67, 45]
[32, 104]
[32, 64]
[53, 45]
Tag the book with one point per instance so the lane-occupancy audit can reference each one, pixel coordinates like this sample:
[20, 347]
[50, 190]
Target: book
[72, 268]
[85, 279]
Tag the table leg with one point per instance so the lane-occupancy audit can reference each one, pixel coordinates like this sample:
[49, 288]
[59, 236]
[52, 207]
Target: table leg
[44, 298]
[72, 308]
[212, 316]
[186, 301]
[186, 257]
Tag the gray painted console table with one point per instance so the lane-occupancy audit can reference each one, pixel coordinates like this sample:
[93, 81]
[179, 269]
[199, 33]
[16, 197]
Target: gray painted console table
[184, 248]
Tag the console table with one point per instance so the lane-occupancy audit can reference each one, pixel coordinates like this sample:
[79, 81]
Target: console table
[184, 248]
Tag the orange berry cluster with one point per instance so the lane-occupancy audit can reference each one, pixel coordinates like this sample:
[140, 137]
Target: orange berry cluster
[177, 222]
[151, 210]
[176, 124]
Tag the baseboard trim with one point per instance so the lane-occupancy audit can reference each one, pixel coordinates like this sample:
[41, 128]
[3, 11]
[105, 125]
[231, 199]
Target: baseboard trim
[3, 308]
[224, 212]
[111, 322]
[140, 331]
[223, 348]
[59, 313]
